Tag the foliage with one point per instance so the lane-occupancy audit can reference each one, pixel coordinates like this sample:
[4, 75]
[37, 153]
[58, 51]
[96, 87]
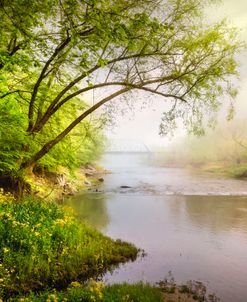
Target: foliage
[97, 292]
[18, 20]
[12, 135]
[54, 51]
[82, 145]
[43, 246]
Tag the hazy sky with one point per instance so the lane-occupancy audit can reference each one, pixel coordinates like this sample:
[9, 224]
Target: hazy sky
[145, 124]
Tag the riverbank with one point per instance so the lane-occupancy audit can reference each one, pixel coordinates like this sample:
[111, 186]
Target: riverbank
[238, 171]
[97, 291]
[44, 247]
[55, 185]
[226, 169]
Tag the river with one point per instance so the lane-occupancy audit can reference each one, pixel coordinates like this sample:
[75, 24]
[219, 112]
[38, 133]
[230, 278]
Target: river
[190, 224]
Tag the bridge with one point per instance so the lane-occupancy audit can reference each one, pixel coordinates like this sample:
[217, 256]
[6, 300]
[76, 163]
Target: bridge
[127, 146]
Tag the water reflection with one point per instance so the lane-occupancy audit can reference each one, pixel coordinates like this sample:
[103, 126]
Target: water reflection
[217, 213]
[90, 208]
[198, 238]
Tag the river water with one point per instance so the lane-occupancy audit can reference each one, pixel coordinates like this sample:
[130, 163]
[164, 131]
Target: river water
[189, 224]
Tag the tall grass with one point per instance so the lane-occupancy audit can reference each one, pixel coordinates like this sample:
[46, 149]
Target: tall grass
[97, 292]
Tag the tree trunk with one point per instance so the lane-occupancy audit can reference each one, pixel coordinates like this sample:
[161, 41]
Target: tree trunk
[16, 185]
[48, 146]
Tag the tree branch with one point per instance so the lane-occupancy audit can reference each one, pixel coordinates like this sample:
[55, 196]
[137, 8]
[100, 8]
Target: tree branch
[93, 69]
[15, 91]
[48, 146]
[42, 75]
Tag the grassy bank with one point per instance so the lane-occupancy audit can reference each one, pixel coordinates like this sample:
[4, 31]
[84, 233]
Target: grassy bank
[43, 246]
[97, 292]
[226, 169]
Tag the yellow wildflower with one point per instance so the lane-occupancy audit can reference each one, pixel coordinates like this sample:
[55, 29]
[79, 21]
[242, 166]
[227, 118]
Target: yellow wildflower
[75, 284]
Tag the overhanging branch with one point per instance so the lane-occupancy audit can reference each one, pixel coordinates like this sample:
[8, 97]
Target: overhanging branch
[49, 145]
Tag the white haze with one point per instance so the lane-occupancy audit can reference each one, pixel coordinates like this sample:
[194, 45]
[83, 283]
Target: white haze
[144, 125]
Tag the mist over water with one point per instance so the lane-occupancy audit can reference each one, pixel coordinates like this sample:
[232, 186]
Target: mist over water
[191, 224]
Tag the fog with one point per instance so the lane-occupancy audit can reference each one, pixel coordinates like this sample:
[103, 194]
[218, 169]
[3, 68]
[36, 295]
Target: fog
[143, 125]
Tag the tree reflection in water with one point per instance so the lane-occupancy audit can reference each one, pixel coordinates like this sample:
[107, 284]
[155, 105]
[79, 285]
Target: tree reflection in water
[90, 208]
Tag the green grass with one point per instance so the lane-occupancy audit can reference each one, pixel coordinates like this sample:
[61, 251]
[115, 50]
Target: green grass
[228, 170]
[96, 292]
[43, 246]
[137, 292]
[237, 171]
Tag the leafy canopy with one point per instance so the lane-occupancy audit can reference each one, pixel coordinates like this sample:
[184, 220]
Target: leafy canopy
[53, 52]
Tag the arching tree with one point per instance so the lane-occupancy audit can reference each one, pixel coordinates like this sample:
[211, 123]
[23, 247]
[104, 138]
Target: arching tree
[54, 51]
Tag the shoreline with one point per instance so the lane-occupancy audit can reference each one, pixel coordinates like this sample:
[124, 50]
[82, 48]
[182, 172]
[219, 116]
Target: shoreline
[57, 185]
[232, 171]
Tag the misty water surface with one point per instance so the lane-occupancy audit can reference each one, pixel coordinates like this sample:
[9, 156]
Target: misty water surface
[190, 224]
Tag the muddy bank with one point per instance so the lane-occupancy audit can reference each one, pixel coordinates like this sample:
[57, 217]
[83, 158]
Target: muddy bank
[57, 185]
